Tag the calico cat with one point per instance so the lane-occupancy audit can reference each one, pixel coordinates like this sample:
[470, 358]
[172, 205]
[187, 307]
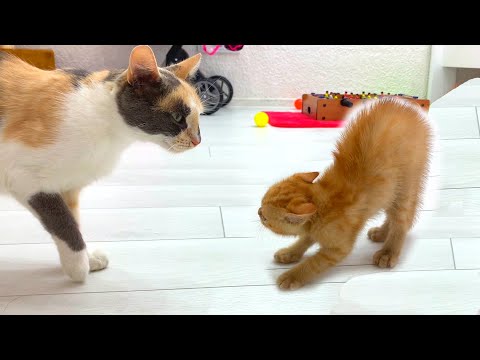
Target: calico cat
[61, 130]
[380, 163]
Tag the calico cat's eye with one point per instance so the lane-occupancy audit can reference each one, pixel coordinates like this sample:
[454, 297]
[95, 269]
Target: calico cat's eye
[177, 117]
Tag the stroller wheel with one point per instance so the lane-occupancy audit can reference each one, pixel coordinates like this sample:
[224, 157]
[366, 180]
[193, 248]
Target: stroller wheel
[226, 88]
[210, 95]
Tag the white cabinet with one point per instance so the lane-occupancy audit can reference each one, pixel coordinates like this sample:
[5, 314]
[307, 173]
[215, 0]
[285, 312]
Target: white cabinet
[445, 59]
[461, 56]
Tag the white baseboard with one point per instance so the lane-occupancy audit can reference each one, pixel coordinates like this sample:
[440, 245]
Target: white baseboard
[258, 102]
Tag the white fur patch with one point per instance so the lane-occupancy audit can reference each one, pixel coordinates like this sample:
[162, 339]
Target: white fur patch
[98, 260]
[91, 138]
[194, 112]
[75, 264]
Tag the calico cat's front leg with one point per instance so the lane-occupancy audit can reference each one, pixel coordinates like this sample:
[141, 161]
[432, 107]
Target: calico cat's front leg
[60, 222]
[98, 260]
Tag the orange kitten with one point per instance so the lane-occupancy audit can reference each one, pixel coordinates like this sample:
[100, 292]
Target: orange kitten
[381, 163]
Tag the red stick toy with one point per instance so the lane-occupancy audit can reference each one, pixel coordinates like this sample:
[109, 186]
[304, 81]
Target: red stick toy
[298, 120]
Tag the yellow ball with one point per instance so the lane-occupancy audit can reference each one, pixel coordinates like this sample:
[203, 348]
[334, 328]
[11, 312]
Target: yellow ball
[261, 119]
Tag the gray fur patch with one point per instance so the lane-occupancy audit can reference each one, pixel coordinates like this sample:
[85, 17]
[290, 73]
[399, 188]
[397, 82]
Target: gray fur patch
[57, 219]
[114, 75]
[78, 75]
[138, 105]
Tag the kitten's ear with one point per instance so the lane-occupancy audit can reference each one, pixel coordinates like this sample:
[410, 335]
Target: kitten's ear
[309, 177]
[301, 213]
[186, 68]
[142, 68]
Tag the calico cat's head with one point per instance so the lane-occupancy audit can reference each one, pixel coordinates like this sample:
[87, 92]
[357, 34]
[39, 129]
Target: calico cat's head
[287, 206]
[159, 104]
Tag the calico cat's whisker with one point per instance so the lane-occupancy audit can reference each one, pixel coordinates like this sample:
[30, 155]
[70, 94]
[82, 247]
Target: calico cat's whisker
[171, 147]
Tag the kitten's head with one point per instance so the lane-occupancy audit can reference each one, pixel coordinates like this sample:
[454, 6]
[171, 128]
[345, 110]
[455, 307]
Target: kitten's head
[159, 104]
[287, 206]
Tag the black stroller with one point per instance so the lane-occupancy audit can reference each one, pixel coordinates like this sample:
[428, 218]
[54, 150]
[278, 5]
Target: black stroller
[215, 91]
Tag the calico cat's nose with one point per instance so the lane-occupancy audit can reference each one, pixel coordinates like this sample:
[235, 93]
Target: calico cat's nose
[196, 139]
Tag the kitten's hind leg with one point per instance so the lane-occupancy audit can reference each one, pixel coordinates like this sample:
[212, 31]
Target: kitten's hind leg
[294, 252]
[97, 259]
[402, 213]
[400, 219]
[379, 234]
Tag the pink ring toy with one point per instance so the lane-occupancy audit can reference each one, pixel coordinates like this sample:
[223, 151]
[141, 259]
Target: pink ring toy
[212, 52]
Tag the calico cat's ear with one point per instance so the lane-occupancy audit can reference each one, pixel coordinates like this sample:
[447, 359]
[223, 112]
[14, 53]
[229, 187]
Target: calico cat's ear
[186, 68]
[142, 68]
[301, 213]
[308, 177]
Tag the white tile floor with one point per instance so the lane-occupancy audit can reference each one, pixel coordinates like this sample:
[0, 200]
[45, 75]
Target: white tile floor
[182, 233]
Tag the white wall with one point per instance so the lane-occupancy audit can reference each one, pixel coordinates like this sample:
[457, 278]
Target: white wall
[285, 71]
[440, 79]
[96, 57]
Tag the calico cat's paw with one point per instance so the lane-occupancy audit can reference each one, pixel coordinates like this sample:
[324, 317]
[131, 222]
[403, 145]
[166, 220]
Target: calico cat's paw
[76, 265]
[289, 281]
[98, 260]
[377, 234]
[385, 258]
[286, 256]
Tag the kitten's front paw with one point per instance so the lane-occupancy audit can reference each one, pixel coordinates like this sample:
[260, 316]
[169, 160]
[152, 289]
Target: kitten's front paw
[286, 256]
[377, 234]
[385, 258]
[289, 281]
[98, 260]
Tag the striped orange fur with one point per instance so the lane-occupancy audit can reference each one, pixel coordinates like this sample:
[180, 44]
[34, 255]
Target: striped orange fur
[380, 163]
